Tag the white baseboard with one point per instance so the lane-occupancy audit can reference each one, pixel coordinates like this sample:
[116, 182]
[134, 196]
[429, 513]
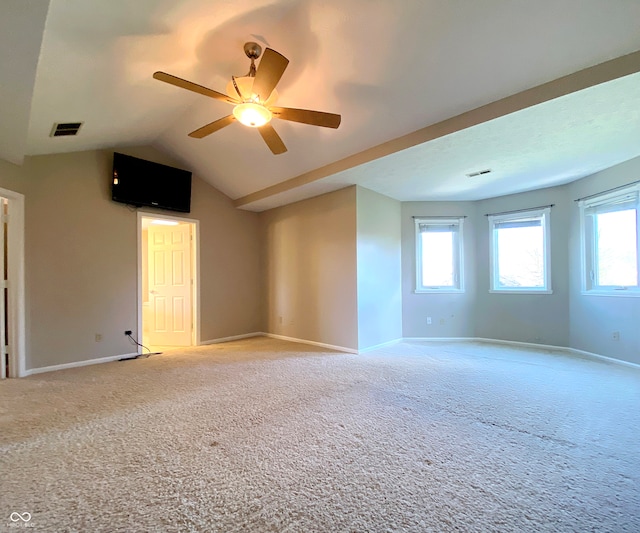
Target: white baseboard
[382, 345]
[603, 358]
[439, 339]
[233, 338]
[312, 343]
[43, 369]
[53, 368]
[565, 349]
[536, 346]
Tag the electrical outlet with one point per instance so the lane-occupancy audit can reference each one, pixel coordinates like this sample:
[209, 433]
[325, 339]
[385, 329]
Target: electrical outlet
[428, 321]
[127, 332]
[615, 335]
[98, 337]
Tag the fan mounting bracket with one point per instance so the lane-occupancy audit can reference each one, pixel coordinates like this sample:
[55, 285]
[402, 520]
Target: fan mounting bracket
[253, 50]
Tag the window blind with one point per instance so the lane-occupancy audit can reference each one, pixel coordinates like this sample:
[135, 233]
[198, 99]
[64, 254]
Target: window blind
[437, 228]
[612, 204]
[524, 223]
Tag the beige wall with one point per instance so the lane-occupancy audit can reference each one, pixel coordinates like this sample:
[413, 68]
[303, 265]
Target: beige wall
[537, 318]
[379, 276]
[12, 177]
[81, 259]
[593, 319]
[452, 314]
[310, 269]
[230, 265]
[230, 259]
[321, 269]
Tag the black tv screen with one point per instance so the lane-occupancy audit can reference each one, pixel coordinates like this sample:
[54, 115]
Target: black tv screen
[143, 183]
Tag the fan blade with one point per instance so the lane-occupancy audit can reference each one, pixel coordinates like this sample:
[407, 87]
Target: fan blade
[273, 140]
[271, 68]
[190, 86]
[305, 116]
[212, 127]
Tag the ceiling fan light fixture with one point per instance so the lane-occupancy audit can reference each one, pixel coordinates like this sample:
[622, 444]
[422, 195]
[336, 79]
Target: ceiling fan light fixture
[253, 96]
[252, 115]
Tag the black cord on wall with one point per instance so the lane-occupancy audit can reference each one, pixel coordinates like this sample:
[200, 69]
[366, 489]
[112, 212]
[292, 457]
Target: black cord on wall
[134, 341]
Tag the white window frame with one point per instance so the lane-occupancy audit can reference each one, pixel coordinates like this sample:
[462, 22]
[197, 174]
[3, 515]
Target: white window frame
[626, 195]
[458, 255]
[544, 215]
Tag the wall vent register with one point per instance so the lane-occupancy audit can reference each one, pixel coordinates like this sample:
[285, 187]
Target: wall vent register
[65, 129]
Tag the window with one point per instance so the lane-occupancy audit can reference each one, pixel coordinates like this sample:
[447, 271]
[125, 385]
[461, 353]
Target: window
[439, 254]
[610, 242]
[520, 259]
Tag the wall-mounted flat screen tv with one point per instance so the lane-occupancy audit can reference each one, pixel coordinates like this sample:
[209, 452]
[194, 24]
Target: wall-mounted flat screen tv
[144, 183]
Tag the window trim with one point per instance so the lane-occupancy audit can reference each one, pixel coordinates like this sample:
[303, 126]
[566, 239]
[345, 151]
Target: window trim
[588, 260]
[544, 214]
[458, 254]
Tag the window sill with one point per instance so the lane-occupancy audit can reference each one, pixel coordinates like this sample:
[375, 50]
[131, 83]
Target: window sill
[520, 291]
[614, 294]
[438, 291]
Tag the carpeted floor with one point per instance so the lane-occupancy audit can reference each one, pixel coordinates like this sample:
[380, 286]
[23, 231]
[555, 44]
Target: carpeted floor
[268, 436]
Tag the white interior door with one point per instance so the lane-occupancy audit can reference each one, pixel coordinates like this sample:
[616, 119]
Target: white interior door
[170, 285]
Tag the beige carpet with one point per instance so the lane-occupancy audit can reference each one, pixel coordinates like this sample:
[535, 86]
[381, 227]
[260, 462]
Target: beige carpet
[267, 436]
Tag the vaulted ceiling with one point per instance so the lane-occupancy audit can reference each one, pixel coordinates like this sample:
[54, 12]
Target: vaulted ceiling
[389, 67]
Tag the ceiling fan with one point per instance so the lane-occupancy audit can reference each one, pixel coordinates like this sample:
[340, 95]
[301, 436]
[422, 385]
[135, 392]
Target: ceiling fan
[253, 96]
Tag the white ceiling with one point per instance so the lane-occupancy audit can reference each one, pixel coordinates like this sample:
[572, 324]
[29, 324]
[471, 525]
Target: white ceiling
[389, 67]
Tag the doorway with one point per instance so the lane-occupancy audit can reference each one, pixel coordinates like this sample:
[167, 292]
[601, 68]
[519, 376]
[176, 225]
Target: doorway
[12, 293]
[168, 310]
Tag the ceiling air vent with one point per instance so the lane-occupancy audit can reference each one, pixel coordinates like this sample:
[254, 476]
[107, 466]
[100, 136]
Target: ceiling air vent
[479, 173]
[64, 129]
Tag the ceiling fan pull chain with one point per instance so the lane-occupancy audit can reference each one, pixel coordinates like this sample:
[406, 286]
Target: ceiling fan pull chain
[235, 86]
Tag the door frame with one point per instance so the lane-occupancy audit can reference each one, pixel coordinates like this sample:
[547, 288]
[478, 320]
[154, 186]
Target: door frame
[195, 262]
[15, 292]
